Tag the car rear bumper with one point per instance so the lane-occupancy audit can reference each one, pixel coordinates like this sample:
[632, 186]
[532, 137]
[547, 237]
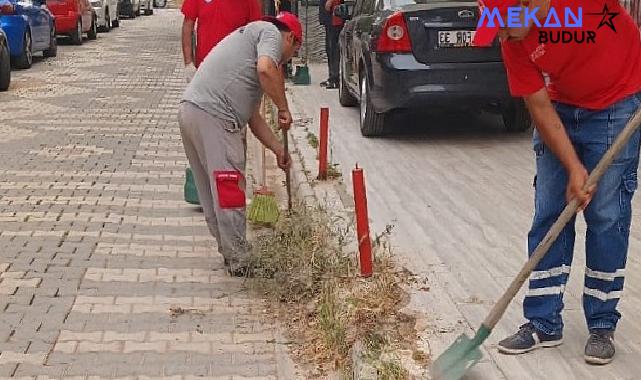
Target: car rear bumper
[400, 82]
[66, 24]
[13, 27]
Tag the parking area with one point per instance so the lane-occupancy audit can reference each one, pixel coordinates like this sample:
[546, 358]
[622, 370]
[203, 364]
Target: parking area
[458, 190]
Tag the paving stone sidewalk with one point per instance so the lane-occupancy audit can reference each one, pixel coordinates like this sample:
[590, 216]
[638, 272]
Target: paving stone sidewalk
[104, 270]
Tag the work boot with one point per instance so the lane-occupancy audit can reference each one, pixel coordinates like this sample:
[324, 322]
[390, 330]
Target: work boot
[528, 339]
[600, 347]
[332, 85]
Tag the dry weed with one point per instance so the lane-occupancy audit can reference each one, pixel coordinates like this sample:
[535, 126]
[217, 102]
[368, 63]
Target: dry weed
[303, 266]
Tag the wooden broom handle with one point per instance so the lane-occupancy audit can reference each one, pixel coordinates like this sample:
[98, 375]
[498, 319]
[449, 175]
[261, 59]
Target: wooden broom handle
[567, 214]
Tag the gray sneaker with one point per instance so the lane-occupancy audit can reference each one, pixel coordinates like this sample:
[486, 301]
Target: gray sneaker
[528, 339]
[599, 349]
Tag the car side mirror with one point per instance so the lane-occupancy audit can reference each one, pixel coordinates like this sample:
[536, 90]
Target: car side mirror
[343, 11]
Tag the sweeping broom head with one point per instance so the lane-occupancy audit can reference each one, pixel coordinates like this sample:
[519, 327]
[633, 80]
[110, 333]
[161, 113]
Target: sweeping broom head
[263, 208]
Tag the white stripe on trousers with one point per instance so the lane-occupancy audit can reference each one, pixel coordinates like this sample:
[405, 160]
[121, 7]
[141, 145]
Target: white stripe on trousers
[550, 290]
[605, 276]
[603, 296]
[553, 272]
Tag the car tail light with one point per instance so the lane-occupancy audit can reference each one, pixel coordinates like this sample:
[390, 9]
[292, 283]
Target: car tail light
[7, 9]
[395, 37]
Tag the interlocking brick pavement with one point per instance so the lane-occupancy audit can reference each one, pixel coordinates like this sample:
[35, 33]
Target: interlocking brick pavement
[105, 272]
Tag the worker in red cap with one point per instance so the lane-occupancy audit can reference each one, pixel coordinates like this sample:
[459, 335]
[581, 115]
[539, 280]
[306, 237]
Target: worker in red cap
[581, 80]
[219, 102]
[213, 20]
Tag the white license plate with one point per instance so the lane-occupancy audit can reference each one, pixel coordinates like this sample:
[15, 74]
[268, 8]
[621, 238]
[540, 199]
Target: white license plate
[455, 38]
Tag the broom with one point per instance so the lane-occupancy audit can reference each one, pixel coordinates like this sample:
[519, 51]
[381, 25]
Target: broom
[263, 208]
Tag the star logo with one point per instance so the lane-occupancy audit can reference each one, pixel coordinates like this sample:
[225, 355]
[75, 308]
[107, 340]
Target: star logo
[607, 18]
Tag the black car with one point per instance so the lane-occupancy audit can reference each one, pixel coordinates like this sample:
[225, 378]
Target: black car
[417, 54]
[5, 62]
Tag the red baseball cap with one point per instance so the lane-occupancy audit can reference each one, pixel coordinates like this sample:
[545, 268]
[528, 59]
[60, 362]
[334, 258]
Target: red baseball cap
[485, 34]
[290, 21]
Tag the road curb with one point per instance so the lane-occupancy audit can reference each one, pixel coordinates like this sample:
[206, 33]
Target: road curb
[333, 197]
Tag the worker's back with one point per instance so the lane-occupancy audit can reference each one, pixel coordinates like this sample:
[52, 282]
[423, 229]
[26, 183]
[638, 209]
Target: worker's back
[226, 84]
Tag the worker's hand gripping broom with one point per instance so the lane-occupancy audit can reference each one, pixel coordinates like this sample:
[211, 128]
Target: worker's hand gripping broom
[464, 352]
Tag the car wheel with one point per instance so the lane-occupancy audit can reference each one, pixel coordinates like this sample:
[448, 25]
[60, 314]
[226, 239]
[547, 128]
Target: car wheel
[516, 117]
[25, 60]
[76, 37]
[344, 97]
[5, 68]
[92, 34]
[53, 45]
[372, 123]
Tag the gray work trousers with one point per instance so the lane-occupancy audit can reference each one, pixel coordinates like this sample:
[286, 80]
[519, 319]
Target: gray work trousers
[216, 151]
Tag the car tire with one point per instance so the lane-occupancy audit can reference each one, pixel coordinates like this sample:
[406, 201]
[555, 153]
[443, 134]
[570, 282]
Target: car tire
[76, 36]
[5, 68]
[345, 98]
[516, 117]
[25, 60]
[52, 51]
[92, 34]
[372, 122]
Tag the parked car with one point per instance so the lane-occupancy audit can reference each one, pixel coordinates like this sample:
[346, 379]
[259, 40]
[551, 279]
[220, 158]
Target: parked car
[106, 14]
[129, 8]
[417, 54]
[30, 28]
[160, 3]
[74, 18]
[5, 64]
[147, 7]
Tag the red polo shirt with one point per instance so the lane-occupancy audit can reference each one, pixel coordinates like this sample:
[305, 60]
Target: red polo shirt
[218, 18]
[589, 75]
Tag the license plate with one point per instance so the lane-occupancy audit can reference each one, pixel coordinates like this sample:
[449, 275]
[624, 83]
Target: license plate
[455, 38]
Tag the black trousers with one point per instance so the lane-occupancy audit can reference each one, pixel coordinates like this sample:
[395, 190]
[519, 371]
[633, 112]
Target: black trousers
[332, 50]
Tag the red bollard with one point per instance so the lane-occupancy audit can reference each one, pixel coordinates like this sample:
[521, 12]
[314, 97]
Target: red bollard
[362, 222]
[324, 137]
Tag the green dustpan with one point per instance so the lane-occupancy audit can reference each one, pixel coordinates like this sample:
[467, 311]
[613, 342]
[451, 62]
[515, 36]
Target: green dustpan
[464, 352]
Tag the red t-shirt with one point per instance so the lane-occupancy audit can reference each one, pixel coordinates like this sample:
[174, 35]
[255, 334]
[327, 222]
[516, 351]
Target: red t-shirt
[218, 18]
[588, 75]
[336, 21]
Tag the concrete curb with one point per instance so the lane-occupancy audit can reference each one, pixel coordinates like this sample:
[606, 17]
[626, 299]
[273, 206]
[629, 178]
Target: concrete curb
[333, 197]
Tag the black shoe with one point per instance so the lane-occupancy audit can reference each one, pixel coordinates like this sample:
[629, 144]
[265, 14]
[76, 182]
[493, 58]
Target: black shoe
[240, 270]
[600, 347]
[332, 85]
[325, 83]
[528, 339]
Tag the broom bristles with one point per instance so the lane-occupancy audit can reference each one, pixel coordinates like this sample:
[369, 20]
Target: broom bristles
[263, 209]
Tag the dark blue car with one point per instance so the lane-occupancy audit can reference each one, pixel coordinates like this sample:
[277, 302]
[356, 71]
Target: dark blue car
[30, 27]
[5, 68]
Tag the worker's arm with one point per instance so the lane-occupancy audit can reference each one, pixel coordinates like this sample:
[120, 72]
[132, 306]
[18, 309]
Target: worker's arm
[187, 31]
[264, 134]
[552, 131]
[273, 83]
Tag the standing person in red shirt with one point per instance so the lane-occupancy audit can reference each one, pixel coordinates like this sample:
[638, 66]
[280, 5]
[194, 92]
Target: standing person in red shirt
[215, 20]
[333, 29]
[592, 90]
